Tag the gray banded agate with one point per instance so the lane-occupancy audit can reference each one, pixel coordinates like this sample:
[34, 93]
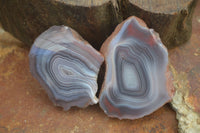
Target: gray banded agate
[66, 66]
[135, 81]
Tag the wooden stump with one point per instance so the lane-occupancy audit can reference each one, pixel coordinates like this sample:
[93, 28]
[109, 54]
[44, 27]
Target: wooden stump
[172, 19]
[95, 20]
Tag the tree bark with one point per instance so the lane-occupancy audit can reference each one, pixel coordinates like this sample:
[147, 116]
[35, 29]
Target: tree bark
[95, 20]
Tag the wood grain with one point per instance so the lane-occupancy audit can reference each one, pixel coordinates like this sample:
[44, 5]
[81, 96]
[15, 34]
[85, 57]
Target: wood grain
[162, 6]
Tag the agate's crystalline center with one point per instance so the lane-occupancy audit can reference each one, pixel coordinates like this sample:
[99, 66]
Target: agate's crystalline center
[136, 75]
[66, 66]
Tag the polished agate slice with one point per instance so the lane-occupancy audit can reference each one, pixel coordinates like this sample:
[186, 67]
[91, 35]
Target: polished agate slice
[66, 66]
[136, 80]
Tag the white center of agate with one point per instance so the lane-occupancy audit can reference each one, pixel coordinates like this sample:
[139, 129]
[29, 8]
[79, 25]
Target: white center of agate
[64, 71]
[130, 77]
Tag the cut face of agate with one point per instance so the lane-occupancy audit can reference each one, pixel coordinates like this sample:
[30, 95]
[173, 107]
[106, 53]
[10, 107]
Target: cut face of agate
[66, 66]
[136, 80]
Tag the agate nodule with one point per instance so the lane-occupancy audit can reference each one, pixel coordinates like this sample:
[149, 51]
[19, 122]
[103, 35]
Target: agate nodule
[66, 66]
[137, 81]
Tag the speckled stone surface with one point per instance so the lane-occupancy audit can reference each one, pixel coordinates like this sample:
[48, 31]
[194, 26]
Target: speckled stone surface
[185, 67]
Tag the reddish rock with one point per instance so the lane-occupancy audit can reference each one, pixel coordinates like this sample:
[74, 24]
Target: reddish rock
[25, 107]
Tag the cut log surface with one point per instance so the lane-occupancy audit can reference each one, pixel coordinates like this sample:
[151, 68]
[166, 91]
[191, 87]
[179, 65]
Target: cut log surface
[161, 6]
[95, 20]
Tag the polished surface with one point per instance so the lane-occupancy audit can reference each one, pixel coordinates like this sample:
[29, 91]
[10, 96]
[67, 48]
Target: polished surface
[66, 66]
[135, 83]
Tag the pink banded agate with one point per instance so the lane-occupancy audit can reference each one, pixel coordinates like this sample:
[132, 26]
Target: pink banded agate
[137, 81]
